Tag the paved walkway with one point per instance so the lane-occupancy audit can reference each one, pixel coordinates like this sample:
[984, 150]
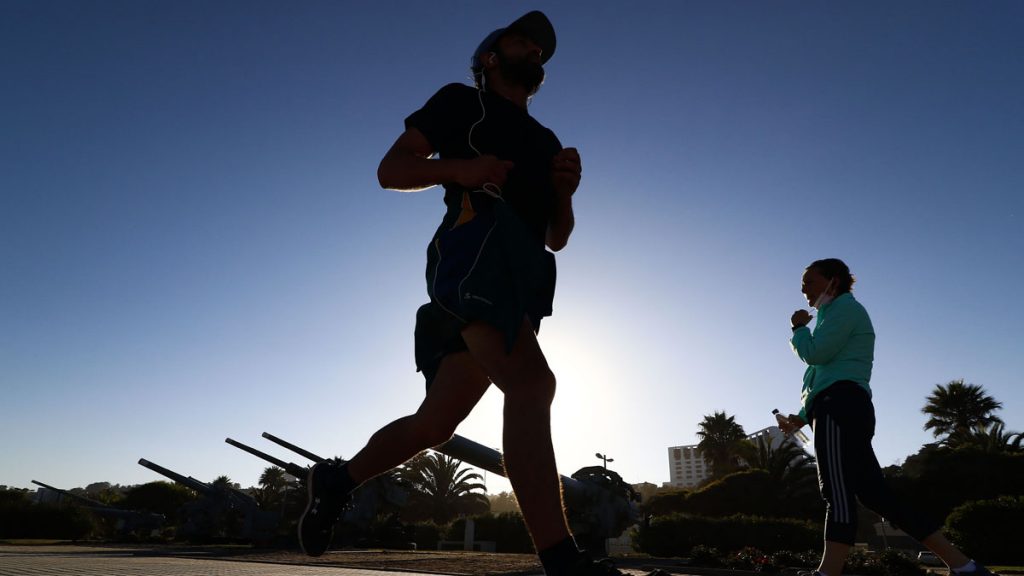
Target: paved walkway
[126, 564]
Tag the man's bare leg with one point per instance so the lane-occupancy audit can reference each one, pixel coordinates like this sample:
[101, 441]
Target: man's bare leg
[529, 387]
[457, 387]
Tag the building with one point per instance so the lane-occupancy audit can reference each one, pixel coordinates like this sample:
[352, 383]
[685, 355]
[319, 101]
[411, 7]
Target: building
[687, 467]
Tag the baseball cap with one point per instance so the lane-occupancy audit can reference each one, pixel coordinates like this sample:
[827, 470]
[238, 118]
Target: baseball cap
[534, 25]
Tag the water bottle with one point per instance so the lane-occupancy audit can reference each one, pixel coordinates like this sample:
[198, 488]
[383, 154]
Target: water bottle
[798, 432]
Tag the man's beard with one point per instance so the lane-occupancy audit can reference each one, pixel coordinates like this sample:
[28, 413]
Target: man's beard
[529, 75]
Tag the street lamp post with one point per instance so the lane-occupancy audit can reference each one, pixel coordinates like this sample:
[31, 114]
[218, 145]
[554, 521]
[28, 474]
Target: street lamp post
[604, 458]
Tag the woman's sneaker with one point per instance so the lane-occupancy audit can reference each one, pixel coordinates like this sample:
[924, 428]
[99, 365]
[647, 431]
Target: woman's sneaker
[323, 507]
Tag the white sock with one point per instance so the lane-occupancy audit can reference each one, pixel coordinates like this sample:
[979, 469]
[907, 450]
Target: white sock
[969, 567]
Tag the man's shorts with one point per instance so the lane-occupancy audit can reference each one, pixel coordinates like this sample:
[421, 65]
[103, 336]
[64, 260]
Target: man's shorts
[482, 265]
[439, 334]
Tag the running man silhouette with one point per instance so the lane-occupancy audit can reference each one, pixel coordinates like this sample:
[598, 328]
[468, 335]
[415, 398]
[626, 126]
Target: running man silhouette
[509, 186]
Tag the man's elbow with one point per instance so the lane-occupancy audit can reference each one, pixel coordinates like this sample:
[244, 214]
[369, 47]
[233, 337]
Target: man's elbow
[557, 236]
[556, 244]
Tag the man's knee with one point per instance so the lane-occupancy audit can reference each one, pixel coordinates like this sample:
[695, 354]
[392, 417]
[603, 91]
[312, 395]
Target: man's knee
[432, 431]
[535, 387]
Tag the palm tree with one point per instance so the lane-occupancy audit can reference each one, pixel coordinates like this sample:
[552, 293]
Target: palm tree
[273, 484]
[956, 409]
[780, 460]
[721, 442]
[995, 438]
[789, 467]
[226, 522]
[441, 491]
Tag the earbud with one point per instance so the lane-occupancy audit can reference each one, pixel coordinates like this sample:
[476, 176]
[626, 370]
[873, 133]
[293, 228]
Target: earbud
[491, 59]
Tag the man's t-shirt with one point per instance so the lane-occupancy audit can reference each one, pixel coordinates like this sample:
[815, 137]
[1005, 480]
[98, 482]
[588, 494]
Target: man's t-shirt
[507, 132]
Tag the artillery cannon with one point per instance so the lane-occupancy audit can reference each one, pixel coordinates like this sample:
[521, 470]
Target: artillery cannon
[380, 493]
[125, 521]
[293, 469]
[599, 504]
[220, 511]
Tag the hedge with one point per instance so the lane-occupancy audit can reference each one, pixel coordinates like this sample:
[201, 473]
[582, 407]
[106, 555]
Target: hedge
[677, 534]
[507, 530]
[989, 530]
[28, 520]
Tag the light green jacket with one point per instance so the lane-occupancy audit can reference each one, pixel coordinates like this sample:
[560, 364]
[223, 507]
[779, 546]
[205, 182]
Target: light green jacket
[841, 347]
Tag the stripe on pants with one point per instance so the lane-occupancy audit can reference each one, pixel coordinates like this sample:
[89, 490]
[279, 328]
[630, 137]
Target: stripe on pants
[835, 467]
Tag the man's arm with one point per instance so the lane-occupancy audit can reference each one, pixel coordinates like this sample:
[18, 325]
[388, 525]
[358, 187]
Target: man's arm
[566, 171]
[408, 167]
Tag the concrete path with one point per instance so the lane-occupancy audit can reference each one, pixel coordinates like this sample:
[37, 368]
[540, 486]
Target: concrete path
[38, 563]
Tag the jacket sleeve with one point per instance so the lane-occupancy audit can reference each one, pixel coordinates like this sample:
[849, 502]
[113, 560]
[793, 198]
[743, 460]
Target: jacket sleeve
[828, 338]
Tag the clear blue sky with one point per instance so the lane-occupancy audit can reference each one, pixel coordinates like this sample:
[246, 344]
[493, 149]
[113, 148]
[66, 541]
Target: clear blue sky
[193, 244]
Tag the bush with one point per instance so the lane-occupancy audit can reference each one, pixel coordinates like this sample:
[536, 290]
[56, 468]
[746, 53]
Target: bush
[986, 529]
[506, 530]
[788, 559]
[27, 520]
[896, 563]
[678, 534]
[752, 492]
[886, 563]
[942, 479]
[708, 556]
[427, 535]
[746, 492]
[159, 497]
[750, 558]
[667, 502]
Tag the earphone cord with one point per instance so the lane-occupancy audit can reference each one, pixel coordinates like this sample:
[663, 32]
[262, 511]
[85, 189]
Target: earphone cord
[489, 188]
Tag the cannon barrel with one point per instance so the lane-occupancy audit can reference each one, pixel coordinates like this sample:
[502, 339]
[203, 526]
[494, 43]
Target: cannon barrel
[187, 481]
[300, 451]
[105, 509]
[299, 472]
[235, 497]
[598, 502]
[489, 459]
[82, 499]
[476, 454]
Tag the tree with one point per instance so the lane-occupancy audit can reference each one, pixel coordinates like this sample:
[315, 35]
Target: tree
[504, 502]
[788, 465]
[721, 442]
[273, 485]
[792, 473]
[159, 497]
[441, 491]
[939, 478]
[995, 438]
[956, 409]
